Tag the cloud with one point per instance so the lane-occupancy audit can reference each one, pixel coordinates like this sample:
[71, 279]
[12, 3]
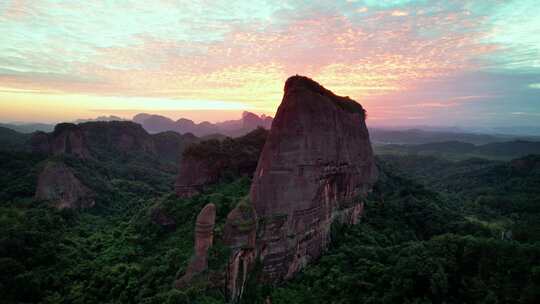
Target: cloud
[399, 13]
[413, 54]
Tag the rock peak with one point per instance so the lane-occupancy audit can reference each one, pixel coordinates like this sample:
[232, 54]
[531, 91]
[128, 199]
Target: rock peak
[345, 103]
[316, 168]
[207, 216]
[204, 238]
[298, 81]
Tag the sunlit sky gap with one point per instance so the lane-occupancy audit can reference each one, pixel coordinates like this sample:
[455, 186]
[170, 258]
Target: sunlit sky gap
[408, 62]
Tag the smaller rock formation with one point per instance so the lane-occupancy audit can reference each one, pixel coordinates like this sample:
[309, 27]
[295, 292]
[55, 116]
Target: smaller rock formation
[57, 183]
[65, 139]
[159, 217]
[170, 145]
[198, 167]
[207, 162]
[94, 139]
[204, 238]
[240, 236]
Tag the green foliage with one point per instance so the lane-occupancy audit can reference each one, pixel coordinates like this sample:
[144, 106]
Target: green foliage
[11, 140]
[18, 175]
[434, 231]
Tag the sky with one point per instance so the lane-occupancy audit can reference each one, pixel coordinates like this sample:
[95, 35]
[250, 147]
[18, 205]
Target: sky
[423, 62]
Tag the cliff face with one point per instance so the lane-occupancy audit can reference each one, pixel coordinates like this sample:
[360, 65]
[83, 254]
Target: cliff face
[86, 140]
[195, 173]
[240, 235]
[315, 168]
[58, 184]
[65, 139]
[206, 162]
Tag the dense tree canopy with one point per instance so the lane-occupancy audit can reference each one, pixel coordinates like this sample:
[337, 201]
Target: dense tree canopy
[434, 231]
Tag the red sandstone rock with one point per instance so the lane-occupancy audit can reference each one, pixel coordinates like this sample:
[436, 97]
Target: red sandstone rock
[204, 238]
[206, 162]
[315, 168]
[195, 173]
[85, 139]
[58, 184]
[240, 236]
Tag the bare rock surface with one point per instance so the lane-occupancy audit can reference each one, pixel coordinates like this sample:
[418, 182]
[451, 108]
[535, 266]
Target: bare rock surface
[57, 183]
[316, 167]
[204, 238]
[86, 140]
[240, 236]
[206, 162]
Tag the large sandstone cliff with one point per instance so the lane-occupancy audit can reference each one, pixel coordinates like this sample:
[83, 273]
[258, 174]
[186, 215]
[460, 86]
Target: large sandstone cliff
[105, 140]
[65, 139]
[86, 140]
[315, 169]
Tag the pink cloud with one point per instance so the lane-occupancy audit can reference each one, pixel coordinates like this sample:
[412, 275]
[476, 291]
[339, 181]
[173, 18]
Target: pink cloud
[376, 56]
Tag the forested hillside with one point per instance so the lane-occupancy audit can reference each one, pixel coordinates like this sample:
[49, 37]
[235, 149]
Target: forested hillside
[433, 231]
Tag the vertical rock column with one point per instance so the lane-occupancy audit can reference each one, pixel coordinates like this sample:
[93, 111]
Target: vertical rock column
[316, 168]
[204, 237]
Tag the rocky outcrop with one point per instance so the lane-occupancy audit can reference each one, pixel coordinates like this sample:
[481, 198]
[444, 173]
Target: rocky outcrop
[240, 235]
[204, 238]
[196, 172]
[57, 183]
[205, 163]
[91, 139]
[315, 169]
[118, 137]
[170, 145]
[65, 139]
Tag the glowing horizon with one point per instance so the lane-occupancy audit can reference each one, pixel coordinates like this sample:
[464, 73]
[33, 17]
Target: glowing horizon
[408, 62]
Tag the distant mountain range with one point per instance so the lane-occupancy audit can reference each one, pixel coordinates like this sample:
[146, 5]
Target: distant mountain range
[153, 124]
[28, 127]
[248, 122]
[156, 123]
[418, 136]
[462, 150]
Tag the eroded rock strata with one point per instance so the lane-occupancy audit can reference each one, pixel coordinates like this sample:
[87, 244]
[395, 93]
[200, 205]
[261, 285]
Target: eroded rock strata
[87, 140]
[57, 183]
[204, 238]
[316, 167]
[207, 162]
[240, 236]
